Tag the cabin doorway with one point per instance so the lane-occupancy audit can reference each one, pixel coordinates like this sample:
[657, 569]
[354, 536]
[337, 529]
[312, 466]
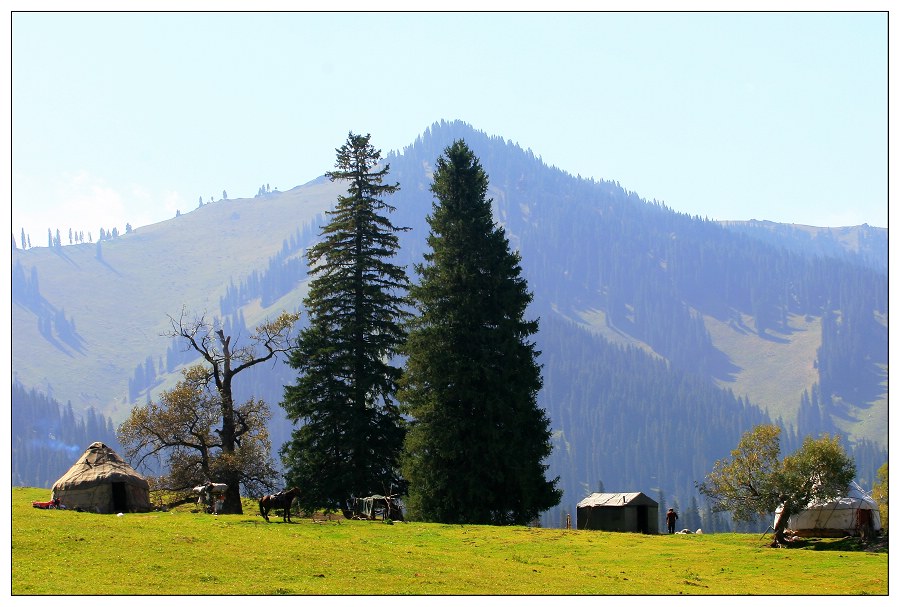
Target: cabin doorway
[643, 519]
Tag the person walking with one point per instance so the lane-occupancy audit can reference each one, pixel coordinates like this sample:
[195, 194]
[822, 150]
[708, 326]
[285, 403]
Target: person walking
[671, 517]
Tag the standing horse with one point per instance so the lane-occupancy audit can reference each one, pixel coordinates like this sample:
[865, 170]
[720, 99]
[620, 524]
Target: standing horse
[283, 500]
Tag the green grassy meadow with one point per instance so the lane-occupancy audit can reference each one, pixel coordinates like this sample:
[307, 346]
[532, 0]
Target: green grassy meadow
[185, 552]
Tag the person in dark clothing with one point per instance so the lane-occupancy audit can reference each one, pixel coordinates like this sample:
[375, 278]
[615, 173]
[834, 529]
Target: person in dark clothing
[671, 517]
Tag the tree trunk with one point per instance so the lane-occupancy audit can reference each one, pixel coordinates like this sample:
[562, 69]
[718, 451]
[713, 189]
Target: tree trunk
[232, 503]
[232, 478]
[781, 525]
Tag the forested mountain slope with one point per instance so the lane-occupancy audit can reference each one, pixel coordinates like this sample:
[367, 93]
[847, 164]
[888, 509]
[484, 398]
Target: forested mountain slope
[663, 336]
[865, 245]
[688, 289]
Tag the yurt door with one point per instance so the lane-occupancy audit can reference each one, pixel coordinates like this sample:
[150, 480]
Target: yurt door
[120, 503]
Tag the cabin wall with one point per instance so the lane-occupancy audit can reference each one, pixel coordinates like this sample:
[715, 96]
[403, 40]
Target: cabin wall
[634, 519]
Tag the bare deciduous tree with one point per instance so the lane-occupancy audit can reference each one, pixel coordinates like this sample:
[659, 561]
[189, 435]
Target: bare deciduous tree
[197, 426]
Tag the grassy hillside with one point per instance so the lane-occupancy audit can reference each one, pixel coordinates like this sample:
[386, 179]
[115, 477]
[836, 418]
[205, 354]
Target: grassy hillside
[774, 371]
[181, 552]
[119, 302]
[771, 371]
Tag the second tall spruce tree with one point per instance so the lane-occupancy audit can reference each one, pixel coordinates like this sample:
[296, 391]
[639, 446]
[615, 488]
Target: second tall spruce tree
[475, 449]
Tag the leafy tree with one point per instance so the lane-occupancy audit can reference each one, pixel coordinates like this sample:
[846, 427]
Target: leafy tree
[754, 482]
[880, 494]
[181, 431]
[475, 449]
[182, 424]
[350, 429]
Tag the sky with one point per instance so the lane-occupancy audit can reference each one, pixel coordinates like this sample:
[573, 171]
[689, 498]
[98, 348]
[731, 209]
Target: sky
[128, 118]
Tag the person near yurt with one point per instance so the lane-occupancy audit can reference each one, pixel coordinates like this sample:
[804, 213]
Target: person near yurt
[101, 481]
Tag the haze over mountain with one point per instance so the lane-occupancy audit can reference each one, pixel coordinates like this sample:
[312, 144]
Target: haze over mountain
[664, 337]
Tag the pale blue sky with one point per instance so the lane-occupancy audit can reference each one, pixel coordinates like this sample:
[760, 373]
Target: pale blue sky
[128, 117]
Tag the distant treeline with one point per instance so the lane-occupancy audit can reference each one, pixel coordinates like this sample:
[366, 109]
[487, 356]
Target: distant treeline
[75, 237]
[285, 271]
[53, 324]
[48, 438]
[870, 248]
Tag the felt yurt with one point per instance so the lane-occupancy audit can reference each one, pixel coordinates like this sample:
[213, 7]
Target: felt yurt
[852, 513]
[101, 481]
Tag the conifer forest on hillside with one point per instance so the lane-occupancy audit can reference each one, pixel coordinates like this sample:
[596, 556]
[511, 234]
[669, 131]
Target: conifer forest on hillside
[662, 337]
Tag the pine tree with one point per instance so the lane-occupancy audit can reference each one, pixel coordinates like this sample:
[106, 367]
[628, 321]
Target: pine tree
[350, 431]
[475, 448]
[692, 515]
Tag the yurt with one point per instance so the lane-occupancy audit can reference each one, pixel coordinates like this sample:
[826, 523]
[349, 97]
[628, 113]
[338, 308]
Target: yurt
[842, 516]
[101, 481]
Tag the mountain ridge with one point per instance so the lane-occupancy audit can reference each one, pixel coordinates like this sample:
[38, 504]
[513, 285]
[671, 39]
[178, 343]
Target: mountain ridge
[719, 302]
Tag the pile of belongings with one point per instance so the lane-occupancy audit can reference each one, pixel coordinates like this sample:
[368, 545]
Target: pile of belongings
[51, 505]
[212, 496]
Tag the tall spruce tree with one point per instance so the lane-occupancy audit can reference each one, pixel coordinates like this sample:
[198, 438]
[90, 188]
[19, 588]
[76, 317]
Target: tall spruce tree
[350, 432]
[477, 440]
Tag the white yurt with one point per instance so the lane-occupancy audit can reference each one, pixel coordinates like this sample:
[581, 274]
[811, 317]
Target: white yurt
[839, 517]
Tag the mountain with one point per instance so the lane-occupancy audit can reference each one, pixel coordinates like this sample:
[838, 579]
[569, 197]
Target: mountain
[664, 336]
[863, 244]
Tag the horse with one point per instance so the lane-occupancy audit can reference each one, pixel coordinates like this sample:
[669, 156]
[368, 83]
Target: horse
[283, 500]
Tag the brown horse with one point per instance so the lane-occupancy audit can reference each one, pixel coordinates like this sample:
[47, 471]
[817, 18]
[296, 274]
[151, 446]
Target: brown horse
[282, 500]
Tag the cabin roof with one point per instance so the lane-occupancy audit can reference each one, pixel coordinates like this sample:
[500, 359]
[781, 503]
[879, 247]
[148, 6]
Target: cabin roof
[616, 499]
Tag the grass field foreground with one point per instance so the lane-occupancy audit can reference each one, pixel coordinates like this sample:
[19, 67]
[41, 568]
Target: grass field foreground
[184, 552]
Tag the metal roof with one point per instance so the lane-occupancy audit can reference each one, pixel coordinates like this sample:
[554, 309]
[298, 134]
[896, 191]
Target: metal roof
[616, 499]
